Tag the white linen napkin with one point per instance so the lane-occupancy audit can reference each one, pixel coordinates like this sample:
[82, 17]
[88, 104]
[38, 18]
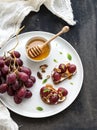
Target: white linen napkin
[12, 13]
[6, 123]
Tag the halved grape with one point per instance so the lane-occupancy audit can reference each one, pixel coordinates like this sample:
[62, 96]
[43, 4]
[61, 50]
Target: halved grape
[54, 98]
[62, 91]
[56, 76]
[44, 91]
[62, 67]
[72, 68]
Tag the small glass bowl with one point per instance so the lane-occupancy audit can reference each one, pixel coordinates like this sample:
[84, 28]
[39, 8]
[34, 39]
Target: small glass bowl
[38, 40]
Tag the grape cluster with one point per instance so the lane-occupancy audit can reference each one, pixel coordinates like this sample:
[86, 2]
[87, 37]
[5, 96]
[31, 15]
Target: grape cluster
[63, 71]
[15, 79]
[52, 96]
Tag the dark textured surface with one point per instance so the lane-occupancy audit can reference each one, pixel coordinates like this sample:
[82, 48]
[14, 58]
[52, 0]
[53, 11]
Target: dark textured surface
[82, 114]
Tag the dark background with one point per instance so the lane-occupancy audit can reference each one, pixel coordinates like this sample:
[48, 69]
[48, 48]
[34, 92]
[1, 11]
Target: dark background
[82, 114]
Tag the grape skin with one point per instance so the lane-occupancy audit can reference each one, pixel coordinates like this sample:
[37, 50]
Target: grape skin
[63, 91]
[54, 98]
[11, 78]
[10, 91]
[1, 63]
[21, 92]
[15, 54]
[56, 76]
[28, 94]
[29, 83]
[25, 70]
[23, 76]
[5, 70]
[17, 99]
[62, 67]
[3, 88]
[72, 68]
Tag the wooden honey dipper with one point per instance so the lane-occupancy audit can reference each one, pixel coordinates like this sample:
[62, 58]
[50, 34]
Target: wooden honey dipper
[38, 49]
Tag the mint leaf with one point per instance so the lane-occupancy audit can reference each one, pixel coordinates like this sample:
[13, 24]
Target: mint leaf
[55, 60]
[46, 90]
[69, 56]
[39, 108]
[60, 52]
[44, 81]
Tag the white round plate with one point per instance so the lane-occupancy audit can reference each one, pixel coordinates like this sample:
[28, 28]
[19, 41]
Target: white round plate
[60, 49]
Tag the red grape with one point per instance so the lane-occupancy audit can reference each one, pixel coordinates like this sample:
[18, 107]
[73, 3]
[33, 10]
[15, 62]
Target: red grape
[5, 70]
[14, 77]
[44, 91]
[8, 61]
[16, 85]
[1, 63]
[62, 67]
[0, 73]
[23, 76]
[28, 94]
[0, 81]
[56, 76]
[17, 99]
[25, 70]
[1, 57]
[62, 91]
[21, 92]
[3, 88]
[33, 78]
[10, 91]
[54, 98]
[29, 83]
[19, 62]
[11, 78]
[72, 68]
[15, 54]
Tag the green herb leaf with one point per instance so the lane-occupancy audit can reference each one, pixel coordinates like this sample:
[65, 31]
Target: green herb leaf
[55, 60]
[69, 56]
[71, 83]
[44, 81]
[39, 108]
[60, 52]
[46, 90]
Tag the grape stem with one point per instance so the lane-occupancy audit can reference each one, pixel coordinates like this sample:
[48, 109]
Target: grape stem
[12, 50]
[20, 29]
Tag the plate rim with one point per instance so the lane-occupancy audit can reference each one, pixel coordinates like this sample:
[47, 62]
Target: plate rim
[82, 73]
